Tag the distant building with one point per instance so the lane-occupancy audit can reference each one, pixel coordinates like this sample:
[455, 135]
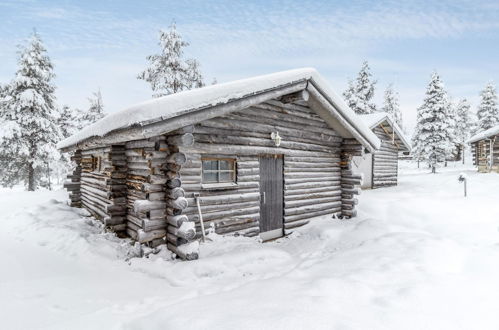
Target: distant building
[381, 168]
[485, 150]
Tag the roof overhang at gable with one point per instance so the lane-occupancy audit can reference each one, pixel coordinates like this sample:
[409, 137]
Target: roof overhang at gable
[384, 119]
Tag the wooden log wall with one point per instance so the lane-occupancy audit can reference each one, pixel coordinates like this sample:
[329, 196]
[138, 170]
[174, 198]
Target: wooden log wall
[312, 171]
[385, 161]
[145, 184]
[350, 181]
[181, 232]
[74, 181]
[103, 190]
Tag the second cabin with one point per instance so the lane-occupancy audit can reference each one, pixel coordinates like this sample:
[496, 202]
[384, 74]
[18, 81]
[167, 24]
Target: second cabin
[261, 156]
[485, 150]
[380, 169]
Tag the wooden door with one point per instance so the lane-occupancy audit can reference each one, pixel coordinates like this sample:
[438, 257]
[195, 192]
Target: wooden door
[271, 196]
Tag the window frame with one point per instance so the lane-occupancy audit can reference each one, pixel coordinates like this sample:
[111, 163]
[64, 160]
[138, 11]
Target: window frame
[217, 184]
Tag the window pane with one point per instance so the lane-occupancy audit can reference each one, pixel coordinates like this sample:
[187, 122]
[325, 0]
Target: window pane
[210, 177]
[210, 165]
[226, 176]
[225, 165]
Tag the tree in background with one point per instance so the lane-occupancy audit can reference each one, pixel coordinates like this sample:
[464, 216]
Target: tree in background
[169, 72]
[94, 112]
[360, 92]
[450, 129]
[29, 137]
[488, 111]
[433, 141]
[69, 121]
[391, 105]
[463, 125]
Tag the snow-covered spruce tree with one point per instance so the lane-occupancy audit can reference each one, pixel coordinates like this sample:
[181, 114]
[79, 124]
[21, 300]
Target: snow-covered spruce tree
[28, 145]
[94, 112]
[360, 92]
[432, 140]
[169, 72]
[417, 143]
[488, 111]
[450, 130]
[71, 120]
[463, 125]
[391, 105]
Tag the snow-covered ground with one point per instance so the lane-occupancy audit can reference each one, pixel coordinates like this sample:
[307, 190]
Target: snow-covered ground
[418, 256]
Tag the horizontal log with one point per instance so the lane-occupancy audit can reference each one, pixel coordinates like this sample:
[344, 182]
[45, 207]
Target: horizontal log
[225, 149]
[184, 140]
[150, 225]
[309, 215]
[143, 236]
[295, 224]
[178, 158]
[178, 203]
[186, 231]
[311, 201]
[175, 193]
[142, 206]
[176, 220]
[219, 207]
[225, 214]
[189, 251]
[311, 208]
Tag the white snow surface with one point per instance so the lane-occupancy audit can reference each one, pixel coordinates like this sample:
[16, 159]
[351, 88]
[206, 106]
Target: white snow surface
[418, 256]
[485, 134]
[173, 105]
[374, 119]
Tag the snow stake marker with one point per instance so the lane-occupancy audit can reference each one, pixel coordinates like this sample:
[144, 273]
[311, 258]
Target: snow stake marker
[462, 178]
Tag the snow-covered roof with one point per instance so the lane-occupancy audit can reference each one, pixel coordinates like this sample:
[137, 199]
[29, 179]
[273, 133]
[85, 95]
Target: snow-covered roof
[374, 119]
[186, 102]
[485, 134]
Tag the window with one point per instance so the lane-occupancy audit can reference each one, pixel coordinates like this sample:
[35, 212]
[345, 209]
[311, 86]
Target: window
[218, 170]
[96, 163]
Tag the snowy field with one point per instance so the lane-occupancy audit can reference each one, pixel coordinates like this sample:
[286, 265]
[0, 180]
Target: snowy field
[418, 256]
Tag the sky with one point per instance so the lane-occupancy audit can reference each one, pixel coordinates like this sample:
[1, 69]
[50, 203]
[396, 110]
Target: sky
[104, 44]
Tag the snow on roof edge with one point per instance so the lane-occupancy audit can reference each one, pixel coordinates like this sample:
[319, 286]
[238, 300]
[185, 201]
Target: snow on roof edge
[485, 134]
[374, 119]
[170, 106]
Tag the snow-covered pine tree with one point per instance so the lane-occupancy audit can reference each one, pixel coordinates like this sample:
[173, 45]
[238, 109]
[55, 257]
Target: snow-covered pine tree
[432, 139]
[417, 142]
[194, 74]
[94, 112]
[350, 96]
[168, 71]
[28, 145]
[450, 130]
[391, 105]
[488, 111]
[69, 121]
[360, 93]
[463, 125]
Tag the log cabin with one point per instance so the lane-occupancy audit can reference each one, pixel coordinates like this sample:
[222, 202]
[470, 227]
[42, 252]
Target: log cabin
[380, 169]
[485, 150]
[258, 156]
